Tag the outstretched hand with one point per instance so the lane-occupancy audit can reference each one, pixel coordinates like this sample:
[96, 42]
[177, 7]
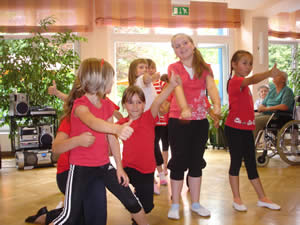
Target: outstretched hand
[175, 80]
[52, 90]
[125, 131]
[274, 71]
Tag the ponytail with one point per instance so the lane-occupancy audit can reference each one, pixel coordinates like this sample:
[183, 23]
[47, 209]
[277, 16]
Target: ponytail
[198, 64]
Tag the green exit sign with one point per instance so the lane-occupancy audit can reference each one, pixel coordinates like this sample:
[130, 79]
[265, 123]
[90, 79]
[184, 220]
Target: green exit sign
[180, 11]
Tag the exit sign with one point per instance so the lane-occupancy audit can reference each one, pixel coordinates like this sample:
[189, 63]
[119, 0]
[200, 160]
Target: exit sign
[180, 11]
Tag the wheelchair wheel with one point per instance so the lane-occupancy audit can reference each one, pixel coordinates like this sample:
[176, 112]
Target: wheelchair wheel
[262, 159]
[288, 142]
[263, 147]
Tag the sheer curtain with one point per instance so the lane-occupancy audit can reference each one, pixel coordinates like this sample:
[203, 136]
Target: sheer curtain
[25, 15]
[158, 13]
[285, 25]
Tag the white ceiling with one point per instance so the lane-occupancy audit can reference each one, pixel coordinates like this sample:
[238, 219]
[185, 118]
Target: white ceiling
[261, 8]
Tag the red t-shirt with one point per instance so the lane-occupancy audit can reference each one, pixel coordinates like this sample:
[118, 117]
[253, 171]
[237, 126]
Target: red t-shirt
[194, 90]
[115, 106]
[97, 153]
[63, 160]
[138, 150]
[241, 110]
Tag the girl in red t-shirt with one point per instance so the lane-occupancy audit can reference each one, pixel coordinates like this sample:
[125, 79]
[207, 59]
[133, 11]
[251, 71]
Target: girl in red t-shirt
[138, 150]
[239, 127]
[90, 112]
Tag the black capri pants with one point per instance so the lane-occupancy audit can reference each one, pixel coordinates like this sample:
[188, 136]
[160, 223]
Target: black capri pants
[143, 184]
[187, 140]
[241, 147]
[161, 133]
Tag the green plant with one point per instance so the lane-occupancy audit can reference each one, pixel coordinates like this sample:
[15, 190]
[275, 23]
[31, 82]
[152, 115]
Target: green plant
[287, 58]
[216, 135]
[29, 65]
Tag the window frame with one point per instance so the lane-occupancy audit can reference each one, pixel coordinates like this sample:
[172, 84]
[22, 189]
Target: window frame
[226, 40]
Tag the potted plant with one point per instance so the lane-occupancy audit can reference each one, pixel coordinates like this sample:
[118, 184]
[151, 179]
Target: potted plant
[216, 135]
[29, 65]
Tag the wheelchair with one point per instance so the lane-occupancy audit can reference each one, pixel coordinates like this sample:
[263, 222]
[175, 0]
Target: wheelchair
[280, 136]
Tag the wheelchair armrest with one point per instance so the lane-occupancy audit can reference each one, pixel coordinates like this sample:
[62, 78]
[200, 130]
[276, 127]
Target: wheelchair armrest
[279, 113]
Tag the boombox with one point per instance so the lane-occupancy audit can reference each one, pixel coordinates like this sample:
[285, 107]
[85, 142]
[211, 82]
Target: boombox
[34, 137]
[19, 104]
[34, 158]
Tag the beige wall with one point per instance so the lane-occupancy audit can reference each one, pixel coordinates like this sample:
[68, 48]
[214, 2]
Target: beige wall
[254, 38]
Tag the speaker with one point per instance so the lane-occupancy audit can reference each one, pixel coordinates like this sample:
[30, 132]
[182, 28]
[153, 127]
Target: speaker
[19, 104]
[34, 158]
[46, 135]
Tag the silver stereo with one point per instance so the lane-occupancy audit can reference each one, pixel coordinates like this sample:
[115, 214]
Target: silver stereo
[34, 158]
[19, 104]
[28, 137]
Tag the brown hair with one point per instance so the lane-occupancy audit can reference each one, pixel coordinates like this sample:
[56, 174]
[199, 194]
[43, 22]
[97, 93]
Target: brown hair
[76, 92]
[132, 70]
[130, 92]
[150, 62]
[198, 63]
[235, 58]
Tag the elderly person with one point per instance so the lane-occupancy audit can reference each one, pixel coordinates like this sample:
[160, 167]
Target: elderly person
[263, 91]
[279, 98]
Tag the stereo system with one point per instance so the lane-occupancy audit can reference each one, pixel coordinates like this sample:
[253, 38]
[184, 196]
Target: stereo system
[19, 104]
[35, 137]
[34, 158]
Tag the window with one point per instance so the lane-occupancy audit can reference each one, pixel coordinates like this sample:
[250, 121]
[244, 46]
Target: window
[286, 54]
[214, 44]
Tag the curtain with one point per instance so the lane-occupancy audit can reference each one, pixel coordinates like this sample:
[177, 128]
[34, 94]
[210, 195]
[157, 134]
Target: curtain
[158, 13]
[25, 15]
[285, 25]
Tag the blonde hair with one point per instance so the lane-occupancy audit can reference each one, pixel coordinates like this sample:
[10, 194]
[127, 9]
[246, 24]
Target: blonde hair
[198, 63]
[130, 92]
[93, 77]
[133, 69]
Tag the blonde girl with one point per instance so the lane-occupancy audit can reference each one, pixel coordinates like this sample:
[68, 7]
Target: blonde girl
[188, 138]
[88, 111]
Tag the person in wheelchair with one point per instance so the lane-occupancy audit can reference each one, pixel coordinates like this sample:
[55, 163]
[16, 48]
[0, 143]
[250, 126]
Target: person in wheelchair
[280, 99]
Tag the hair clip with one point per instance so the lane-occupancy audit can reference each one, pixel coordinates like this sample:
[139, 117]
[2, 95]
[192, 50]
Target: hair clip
[102, 62]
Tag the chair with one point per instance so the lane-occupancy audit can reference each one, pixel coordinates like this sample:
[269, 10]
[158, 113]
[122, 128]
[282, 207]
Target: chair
[280, 136]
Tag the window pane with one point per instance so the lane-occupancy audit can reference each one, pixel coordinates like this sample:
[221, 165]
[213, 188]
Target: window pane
[172, 31]
[131, 30]
[214, 57]
[212, 31]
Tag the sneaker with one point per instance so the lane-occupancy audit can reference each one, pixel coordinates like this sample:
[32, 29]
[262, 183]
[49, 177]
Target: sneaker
[200, 210]
[163, 182]
[268, 205]
[174, 213]
[156, 189]
[239, 207]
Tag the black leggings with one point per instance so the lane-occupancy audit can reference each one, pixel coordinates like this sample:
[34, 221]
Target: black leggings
[241, 147]
[143, 184]
[161, 133]
[124, 194]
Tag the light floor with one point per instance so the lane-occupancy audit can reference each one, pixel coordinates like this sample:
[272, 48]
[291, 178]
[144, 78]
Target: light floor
[22, 193]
